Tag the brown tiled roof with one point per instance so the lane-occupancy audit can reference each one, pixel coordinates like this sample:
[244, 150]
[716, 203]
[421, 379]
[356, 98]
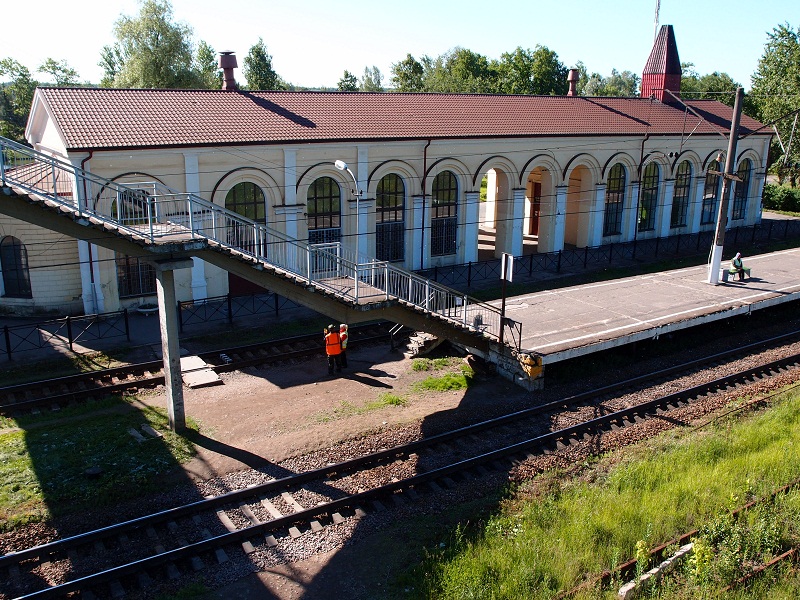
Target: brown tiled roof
[93, 118]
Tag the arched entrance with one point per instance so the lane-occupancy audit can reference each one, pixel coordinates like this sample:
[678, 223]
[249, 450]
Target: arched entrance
[248, 200]
[579, 207]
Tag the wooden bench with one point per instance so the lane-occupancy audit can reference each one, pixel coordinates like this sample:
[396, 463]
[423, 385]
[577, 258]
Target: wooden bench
[731, 273]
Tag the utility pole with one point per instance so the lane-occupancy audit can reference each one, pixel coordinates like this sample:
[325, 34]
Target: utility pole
[727, 177]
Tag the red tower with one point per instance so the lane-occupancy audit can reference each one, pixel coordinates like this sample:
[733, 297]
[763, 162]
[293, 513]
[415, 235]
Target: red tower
[663, 68]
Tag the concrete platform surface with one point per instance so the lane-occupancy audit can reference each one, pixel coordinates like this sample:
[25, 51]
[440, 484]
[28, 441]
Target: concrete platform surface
[574, 321]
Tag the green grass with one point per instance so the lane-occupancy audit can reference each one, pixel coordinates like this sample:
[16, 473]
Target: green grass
[434, 364]
[348, 409]
[539, 543]
[446, 382]
[43, 464]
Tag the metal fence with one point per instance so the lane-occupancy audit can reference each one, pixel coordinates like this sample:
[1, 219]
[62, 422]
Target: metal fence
[538, 266]
[64, 332]
[231, 308]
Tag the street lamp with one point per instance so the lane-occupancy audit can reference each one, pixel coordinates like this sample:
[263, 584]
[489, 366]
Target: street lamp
[342, 166]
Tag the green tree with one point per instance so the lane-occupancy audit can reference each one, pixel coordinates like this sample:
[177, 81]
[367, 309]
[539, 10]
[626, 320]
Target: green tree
[714, 86]
[258, 69]
[207, 67]
[61, 72]
[535, 71]
[624, 84]
[348, 82]
[775, 94]
[407, 75]
[151, 50]
[16, 95]
[371, 80]
[458, 71]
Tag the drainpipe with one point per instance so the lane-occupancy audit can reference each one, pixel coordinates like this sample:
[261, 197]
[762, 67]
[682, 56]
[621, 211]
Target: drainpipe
[89, 244]
[424, 175]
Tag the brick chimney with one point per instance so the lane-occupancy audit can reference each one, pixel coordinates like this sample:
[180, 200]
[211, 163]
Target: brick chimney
[572, 79]
[227, 62]
[663, 68]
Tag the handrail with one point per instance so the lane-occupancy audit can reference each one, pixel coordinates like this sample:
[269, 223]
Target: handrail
[151, 211]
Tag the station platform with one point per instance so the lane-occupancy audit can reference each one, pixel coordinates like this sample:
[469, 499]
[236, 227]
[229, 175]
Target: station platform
[570, 322]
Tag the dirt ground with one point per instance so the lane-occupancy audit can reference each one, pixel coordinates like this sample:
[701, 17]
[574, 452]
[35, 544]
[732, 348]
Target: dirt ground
[267, 415]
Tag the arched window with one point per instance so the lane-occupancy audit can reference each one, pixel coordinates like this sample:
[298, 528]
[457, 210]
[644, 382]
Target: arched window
[680, 198]
[246, 199]
[615, 200]
[444, 215]
[649, 198]
[14, 264]
[323, 206]
[741, 190]
[390, 218]
[710, 195]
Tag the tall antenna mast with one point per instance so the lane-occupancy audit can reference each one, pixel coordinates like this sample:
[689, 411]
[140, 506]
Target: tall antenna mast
[655, 31]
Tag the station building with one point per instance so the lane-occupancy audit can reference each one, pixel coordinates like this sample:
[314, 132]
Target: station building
[558, 171]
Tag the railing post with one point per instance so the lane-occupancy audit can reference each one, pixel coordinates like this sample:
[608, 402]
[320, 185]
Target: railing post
[558, 267]
[127, 324]
[355, 282]
[585, 256]
[150, 215]
[3, 166]
[386, 278]
[427, 294]
[464, 309]
[7, 336]
[69, 331]
[191, 214]
[230, 308]
[277, 303]
[55, 187]
[469, 274]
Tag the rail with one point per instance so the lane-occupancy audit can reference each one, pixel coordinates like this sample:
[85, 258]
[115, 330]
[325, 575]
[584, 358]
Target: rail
[152, 212]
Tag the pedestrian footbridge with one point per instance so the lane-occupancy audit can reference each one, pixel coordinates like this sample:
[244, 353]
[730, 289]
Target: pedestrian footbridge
[168, 228]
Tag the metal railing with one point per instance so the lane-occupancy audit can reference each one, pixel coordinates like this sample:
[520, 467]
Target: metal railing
[151, 212]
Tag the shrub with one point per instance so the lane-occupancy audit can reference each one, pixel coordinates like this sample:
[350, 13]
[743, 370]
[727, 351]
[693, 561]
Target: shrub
[780, 197]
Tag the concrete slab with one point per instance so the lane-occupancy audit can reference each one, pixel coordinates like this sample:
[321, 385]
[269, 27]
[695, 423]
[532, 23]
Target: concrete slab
[195, 372]
[574, 321]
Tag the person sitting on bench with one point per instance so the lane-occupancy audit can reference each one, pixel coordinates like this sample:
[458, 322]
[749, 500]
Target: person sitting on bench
[738, 266]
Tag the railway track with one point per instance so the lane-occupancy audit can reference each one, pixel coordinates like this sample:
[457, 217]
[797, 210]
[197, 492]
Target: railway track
[54, 394]
[191, 537]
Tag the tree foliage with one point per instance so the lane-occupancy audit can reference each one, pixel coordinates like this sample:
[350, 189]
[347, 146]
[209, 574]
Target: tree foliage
[207, 68]
[151, 51]
[457, 71]
[407, 75]
[624, 84]
[713, 86]
[62, 74]
[348, 82]
[371, 80]
[775, 93]
[258, 69]
[16, 98]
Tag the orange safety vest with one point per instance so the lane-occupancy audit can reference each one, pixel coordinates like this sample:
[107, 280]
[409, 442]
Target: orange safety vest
[332, 344]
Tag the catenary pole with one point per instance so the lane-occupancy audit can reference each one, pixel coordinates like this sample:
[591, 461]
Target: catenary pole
[727, 177]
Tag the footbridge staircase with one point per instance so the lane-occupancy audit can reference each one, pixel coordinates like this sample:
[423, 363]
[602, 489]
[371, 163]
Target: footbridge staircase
[166, 227]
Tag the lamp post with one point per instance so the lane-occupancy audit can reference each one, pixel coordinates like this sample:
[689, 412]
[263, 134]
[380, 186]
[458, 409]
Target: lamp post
[342, 166]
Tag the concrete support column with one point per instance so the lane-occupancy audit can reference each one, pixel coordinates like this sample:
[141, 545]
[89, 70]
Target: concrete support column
[560, 220]
[472, 206]
[632, 218]
[290, 177]
[91, 290]
[419, 258]
[597, 217]
[517, 221]
[170, 342]
[666, 211]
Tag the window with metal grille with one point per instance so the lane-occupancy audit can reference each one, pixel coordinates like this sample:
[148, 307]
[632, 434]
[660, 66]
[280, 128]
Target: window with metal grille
[323, 206]
[680, 198]
[708, 212]
[615, 200]
[649, 199]
[741, 190]
[135, 277]
[390, 218]
[444, 214]
[14, 264]
[248, 200]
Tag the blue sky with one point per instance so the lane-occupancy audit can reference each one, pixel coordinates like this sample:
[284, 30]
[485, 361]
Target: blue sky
[313, 42]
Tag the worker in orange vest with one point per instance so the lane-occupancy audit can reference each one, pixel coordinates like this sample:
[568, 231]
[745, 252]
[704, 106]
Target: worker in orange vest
[343, 337]
[333, 348]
